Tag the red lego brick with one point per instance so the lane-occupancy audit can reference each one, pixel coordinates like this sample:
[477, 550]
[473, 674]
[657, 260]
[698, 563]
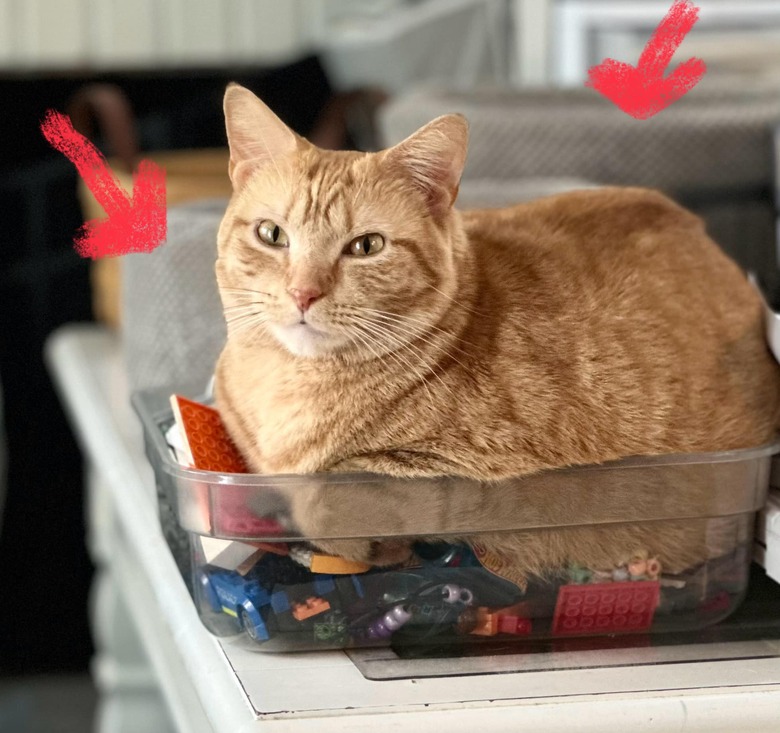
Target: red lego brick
[606, 608]
[231, 517]
[516, 625]
[497, 622]
[206, 438]
[210, 448]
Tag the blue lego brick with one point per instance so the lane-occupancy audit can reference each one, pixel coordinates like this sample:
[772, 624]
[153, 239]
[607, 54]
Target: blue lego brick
[323, 584]
[280, 602]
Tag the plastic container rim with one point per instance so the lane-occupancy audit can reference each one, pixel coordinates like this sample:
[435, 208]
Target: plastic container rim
[257, 479]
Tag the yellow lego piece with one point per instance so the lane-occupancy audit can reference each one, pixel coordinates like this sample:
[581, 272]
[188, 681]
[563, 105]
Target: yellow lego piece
[332, 565]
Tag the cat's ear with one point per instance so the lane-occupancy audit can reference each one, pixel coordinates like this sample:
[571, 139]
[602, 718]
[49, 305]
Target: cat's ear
[433, 157]
[256, 136]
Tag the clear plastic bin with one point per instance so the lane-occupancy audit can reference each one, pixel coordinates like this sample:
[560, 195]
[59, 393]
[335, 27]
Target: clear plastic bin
[450, 592]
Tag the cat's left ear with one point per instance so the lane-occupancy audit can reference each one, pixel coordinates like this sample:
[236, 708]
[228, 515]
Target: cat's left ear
[433, 158]
[256, 136]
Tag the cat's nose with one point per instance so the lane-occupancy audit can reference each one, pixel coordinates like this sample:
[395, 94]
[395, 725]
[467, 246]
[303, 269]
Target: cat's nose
[304, 297]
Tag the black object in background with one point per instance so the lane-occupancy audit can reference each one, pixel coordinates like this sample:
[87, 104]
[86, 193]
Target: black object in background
[45, 572]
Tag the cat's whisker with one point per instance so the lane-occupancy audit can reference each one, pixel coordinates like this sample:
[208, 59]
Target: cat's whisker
[381, 331]
[250, 331]
[413, 322]
[397, 358]
[420, 332]
[400, 344]
[420, 335]
[366, 341]
[256, 328]
[245, 322]
[245, 290]
[243, 299]
[390, 339]
[252, 311]
[360, 336]
[445, 351]
[460, 305]
[244, 306]
[236, 326]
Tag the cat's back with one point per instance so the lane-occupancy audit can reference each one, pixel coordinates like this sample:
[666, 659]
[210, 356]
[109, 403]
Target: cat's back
[620, 295]
[589, 225]
[622, 248]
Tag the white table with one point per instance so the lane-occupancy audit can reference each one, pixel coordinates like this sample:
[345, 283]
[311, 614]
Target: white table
[160, 670]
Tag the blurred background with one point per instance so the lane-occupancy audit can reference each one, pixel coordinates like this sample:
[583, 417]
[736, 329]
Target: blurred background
[145, 78]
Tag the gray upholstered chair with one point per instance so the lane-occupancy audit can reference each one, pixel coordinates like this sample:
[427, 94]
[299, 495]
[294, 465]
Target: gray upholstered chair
[172, 329]
[711, 150]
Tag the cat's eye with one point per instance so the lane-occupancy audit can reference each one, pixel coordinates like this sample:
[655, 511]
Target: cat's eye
[272, 234]
[365, 244]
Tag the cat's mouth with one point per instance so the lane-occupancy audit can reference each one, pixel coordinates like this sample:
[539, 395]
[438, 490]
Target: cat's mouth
[304, 339]
[304, 325]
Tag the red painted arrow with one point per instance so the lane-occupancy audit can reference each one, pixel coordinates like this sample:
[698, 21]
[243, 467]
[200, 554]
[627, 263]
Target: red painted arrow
[642, 90]
[137, 225]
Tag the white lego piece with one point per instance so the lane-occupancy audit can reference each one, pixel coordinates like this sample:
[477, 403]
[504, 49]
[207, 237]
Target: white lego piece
[228, 554]
[176, 443]
[768, 534]
[771, 320]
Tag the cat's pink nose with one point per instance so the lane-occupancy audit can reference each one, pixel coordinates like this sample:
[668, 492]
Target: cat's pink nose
[304, 297]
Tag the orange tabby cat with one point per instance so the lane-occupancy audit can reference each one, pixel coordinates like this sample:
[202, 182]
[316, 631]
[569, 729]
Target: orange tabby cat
[372, 326]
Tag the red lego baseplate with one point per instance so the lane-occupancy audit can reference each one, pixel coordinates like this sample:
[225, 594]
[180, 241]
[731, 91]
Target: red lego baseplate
[604, 608]
[210, 449]
[209, 443]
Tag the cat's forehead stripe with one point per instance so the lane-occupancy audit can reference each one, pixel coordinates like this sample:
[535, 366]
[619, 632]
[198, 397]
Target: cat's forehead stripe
[324, 188]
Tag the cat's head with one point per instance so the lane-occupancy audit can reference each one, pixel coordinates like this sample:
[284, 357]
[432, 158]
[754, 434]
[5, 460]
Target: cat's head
[337, 252]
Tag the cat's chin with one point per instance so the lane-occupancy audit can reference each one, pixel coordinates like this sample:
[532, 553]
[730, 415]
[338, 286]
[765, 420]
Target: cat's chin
[303, 339]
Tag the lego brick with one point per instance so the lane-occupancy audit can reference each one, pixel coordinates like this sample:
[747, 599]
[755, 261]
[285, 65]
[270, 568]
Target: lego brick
[310, 607]
[250, 562]
[332, 565]
[358, 586]
[606, 607]
[280, 602]
[232, 592]
[516, 625]
[205, 439]
[490, 623]
[175, 441]
[486, 623]
[228, 554]
[324, 585]
[231, 517]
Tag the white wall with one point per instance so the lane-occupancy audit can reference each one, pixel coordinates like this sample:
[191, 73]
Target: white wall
[104, 34]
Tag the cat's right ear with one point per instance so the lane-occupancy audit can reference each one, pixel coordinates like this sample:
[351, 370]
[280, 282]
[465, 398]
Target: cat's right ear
[256, 136]
[433, 159]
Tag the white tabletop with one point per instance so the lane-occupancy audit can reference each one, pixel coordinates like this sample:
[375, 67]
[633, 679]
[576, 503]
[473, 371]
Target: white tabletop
[213, 685]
